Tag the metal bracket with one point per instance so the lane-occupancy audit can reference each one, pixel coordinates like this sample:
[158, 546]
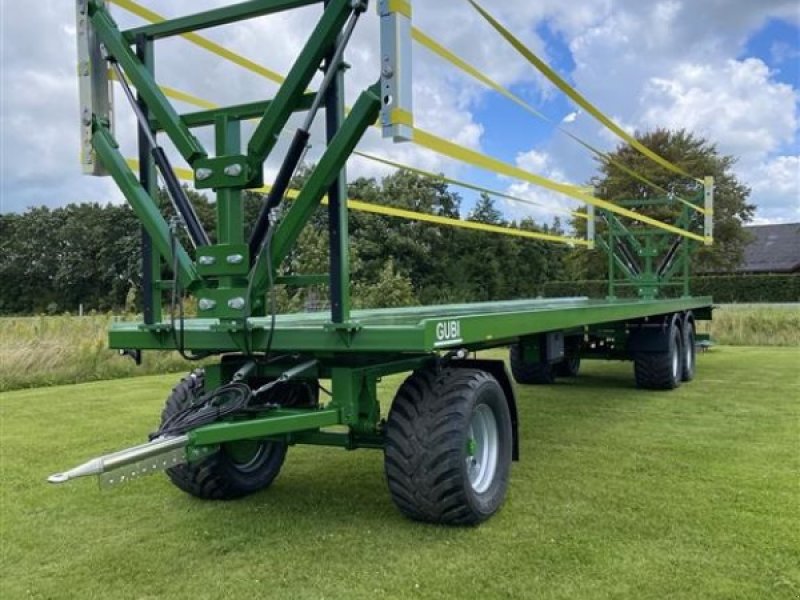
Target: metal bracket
[148, 466]
[96, 99]
[708, 223]
[397, 111]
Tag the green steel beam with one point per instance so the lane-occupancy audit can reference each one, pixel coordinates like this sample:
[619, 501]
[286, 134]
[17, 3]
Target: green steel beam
[145, 84]
[274, 423]
[215, 17]
[230, 211]
[480, 325]
[239, 112]
[305, 67]
[361, 117]
[142, 203]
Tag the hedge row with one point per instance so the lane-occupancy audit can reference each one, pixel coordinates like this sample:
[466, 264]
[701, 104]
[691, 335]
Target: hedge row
[723, 288]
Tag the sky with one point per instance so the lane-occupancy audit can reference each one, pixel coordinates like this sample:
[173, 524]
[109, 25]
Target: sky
[726, 70]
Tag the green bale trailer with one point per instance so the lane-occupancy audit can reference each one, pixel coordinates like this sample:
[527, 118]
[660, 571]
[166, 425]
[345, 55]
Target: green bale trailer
[451, 434]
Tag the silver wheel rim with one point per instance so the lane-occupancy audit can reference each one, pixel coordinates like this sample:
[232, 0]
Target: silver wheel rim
[689, 356]
[676, 363]
[254, 463]
[482, 448]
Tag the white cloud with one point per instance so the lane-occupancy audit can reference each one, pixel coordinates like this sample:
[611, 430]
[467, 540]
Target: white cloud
[547, 204]
[776, 182]
[737, 105]
[647, 63]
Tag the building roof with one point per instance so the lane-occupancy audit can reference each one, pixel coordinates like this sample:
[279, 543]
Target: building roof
[774, 249]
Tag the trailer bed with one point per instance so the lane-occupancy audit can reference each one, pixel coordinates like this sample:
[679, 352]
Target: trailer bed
[412, 329]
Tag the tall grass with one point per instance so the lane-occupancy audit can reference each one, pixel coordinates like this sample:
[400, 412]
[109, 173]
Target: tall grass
[754, 325]
[40, 351]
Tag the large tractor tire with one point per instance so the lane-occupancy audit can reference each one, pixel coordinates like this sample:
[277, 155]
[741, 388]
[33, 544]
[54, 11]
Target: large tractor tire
[236, 470]
[449, 446]
[661, 370]
[530, 373]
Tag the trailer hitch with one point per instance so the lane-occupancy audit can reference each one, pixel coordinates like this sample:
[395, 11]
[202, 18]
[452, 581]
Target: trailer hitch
[119, 467]
[171, 445]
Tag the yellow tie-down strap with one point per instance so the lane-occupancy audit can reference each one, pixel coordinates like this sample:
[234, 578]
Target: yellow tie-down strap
[401, 7]
[421, 137]
[576, 97]
[389, 211]
[199, 40]
[476, 159]
[428, 42]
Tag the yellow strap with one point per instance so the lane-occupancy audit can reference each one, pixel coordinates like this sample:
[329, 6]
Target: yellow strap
[464, 184]
[402, 7]
[454, 151]
[203, 42]
[389, 211]
[545, 69]
[425, 40]
[206, 104]
[426, 139]
[175, 94]
[428, 42]
[402, 117]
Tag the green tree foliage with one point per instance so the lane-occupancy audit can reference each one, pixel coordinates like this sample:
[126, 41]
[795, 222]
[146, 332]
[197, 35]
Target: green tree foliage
[90, 254]
[696, 156]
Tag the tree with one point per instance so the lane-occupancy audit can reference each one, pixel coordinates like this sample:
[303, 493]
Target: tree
[694, 155]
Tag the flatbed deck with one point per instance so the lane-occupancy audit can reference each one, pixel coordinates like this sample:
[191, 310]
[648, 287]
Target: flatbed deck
[412, 329]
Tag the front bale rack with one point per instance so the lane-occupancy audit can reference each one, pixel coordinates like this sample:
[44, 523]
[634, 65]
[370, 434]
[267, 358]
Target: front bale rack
[451, 433]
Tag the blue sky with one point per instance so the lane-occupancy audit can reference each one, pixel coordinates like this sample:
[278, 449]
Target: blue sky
[727, 71]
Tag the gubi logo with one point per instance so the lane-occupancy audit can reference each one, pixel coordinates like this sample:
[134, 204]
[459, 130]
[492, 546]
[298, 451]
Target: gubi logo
[448, 332]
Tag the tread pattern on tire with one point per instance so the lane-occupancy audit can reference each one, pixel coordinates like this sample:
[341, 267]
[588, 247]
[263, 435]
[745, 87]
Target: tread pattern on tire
[211, 478]
[653, 370]
[529, 373]
[425, 446]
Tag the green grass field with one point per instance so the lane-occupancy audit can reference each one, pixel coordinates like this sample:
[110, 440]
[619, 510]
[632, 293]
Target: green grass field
[620, 494]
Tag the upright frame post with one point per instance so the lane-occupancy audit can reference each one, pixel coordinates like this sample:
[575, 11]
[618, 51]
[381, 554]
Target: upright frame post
[151, 259]
[338, 225]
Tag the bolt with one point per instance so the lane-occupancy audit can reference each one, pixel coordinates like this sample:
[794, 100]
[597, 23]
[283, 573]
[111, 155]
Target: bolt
[233, 170]
[206, 304]
[206, 260]
[203, 174]
[235, 259]
[236, 303]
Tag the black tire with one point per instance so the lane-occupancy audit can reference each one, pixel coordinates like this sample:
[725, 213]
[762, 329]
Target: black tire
[221, 476]
[660, 370]
[429, 444]
[530, 373]
[688, 351]
[569, 367]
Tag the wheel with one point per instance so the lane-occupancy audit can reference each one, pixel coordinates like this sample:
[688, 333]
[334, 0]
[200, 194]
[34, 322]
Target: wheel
[448, 446]
[236, 470]
[689, 361]
[537, 373]
[660, 370]
[569, 367]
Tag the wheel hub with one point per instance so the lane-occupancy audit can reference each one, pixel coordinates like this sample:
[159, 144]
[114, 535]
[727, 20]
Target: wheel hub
[482, 448]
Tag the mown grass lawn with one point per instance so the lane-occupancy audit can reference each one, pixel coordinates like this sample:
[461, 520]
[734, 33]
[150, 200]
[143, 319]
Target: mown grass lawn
[620, 494]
